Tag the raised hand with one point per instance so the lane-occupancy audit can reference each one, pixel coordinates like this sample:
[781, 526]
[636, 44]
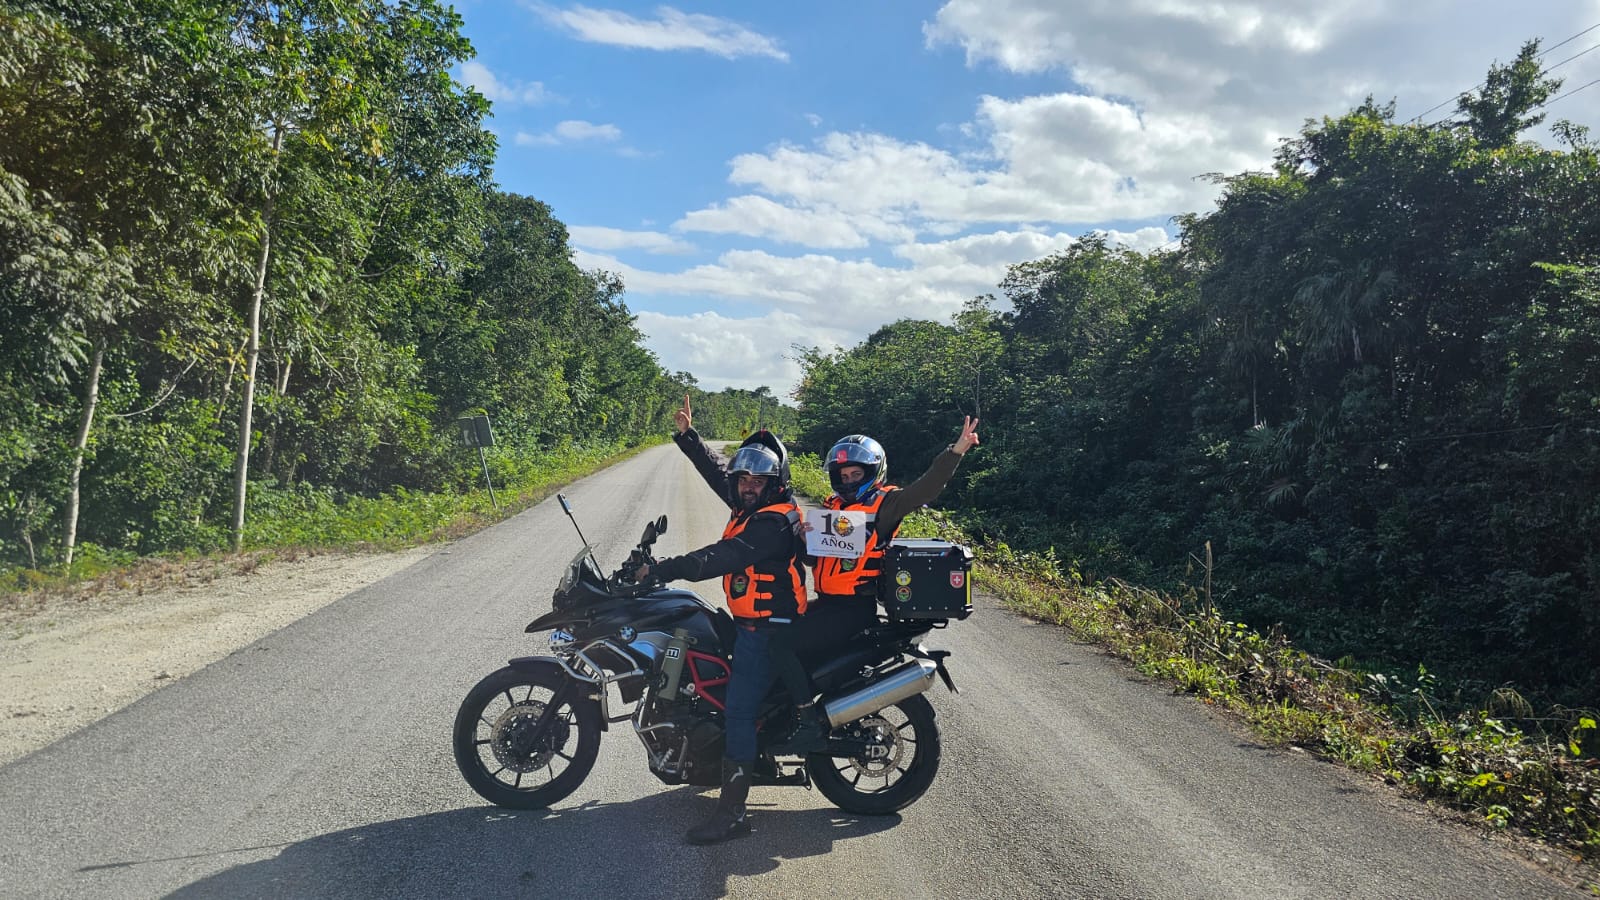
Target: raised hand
[969, 436]
[683, 418]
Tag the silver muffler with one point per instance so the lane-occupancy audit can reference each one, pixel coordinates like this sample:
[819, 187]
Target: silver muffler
[893, 686]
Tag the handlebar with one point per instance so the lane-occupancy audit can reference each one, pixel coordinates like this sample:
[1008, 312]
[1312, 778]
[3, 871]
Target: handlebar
[623, 580]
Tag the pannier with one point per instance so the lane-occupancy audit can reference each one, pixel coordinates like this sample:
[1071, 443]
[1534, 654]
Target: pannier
[926, 579]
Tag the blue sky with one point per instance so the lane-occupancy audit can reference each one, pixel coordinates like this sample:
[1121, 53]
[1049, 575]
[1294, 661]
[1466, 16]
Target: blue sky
[765, 175]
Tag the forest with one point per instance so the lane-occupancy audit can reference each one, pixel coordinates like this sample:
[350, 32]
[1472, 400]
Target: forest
[253, 263]
[1369, 379]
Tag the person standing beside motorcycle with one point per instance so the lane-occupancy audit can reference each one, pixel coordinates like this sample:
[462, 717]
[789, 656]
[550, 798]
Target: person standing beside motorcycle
[758, 560]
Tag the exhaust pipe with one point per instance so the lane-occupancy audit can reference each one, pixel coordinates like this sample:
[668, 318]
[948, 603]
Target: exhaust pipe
[895, 685]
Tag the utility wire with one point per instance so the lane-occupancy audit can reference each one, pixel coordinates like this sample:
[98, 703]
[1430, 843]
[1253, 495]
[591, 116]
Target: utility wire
[1571, 39]
[1480, 84]
[1566, 94]
[1571, 58]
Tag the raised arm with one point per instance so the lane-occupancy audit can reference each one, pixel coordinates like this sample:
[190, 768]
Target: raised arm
[710, 466]
[899, 504]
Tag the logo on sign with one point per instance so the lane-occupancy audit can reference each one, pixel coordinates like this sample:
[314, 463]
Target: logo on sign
[902, 578]
[957, 579]
[843, 527]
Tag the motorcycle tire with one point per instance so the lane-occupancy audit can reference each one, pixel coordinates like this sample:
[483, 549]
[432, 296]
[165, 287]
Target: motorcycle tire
[910, 735]
[502, 761]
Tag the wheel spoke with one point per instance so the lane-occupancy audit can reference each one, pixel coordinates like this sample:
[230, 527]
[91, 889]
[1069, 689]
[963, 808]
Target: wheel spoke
[563, 755]
[518, 783]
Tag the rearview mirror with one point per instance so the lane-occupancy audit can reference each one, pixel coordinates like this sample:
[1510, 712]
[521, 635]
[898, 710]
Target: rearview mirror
[652, 530]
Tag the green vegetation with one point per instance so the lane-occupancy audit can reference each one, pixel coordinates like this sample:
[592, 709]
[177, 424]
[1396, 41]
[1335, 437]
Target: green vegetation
[252, 268]
[1537, 775]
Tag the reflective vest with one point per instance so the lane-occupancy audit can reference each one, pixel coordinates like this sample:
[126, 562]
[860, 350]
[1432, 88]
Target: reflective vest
[770, 587]
[844, 577]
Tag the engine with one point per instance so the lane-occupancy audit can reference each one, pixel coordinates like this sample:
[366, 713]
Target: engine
[685, 745]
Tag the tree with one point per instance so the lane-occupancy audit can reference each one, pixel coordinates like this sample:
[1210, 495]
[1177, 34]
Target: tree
[1503, 107]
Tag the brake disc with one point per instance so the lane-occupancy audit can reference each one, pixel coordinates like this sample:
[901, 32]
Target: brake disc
[885, 747]
[515, 748]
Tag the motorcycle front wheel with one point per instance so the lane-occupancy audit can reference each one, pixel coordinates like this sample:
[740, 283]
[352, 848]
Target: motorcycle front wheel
[506, 757]
[898, 766]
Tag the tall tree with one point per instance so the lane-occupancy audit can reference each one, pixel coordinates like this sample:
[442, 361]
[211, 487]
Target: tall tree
[1504, 106]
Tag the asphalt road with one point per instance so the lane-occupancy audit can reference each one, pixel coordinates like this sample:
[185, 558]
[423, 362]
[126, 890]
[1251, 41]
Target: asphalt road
[316, 763]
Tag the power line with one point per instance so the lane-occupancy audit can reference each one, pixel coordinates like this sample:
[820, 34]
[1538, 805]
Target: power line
[1573, 38]
[1567, 94]
[1480, 84]
[1571, 58]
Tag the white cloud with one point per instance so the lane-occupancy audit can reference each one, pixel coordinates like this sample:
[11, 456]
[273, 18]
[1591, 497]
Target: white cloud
[754, 216]
[1061, 158]
[724, 351]
[570, 132]
[598, 237]
[819, 300]
[513, 92]
[671, 30]
[1036, 35]
[579, 130]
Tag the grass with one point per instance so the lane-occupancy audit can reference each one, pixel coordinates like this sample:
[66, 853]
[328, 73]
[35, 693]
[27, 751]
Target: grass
[1513, 772]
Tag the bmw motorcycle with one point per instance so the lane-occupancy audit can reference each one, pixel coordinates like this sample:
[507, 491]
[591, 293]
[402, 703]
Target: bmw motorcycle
[657, 658]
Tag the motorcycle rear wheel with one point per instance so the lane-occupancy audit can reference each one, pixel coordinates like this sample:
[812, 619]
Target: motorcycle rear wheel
[907, 739]
[500, 755]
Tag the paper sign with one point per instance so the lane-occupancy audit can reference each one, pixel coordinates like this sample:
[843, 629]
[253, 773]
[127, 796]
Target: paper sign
[835, 532]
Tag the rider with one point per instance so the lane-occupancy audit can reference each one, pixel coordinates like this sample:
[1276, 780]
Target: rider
[847, 588]
[758, 560]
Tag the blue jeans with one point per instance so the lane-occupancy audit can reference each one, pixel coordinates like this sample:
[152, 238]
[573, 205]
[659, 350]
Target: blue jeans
[747, 687]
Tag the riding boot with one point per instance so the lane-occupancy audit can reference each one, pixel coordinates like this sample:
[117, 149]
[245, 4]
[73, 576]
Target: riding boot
[728, 820]
[808, 734]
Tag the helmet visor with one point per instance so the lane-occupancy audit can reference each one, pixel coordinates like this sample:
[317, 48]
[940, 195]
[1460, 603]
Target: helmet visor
[753, 459]
[852, 455]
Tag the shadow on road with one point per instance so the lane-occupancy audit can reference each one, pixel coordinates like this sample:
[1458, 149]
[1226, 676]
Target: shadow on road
[633, 849]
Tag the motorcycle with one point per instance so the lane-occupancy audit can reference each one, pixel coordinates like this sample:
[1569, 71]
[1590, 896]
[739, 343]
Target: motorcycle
[527, 735]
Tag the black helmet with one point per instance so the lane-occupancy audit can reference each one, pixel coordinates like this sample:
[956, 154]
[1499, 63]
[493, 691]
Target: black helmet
[760, 454]
[857, 450]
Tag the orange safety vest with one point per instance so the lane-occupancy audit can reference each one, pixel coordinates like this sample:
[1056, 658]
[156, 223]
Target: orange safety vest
[838, 576]
[769, 587]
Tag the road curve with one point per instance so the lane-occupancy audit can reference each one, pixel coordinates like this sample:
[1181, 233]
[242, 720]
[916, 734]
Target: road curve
[316, 763]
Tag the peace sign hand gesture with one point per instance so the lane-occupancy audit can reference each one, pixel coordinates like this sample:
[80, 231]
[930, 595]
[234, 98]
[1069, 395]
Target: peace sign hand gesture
[969, 436]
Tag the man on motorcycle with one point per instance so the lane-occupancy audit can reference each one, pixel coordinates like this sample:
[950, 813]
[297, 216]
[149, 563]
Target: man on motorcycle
[847, 589]
[758, 560]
